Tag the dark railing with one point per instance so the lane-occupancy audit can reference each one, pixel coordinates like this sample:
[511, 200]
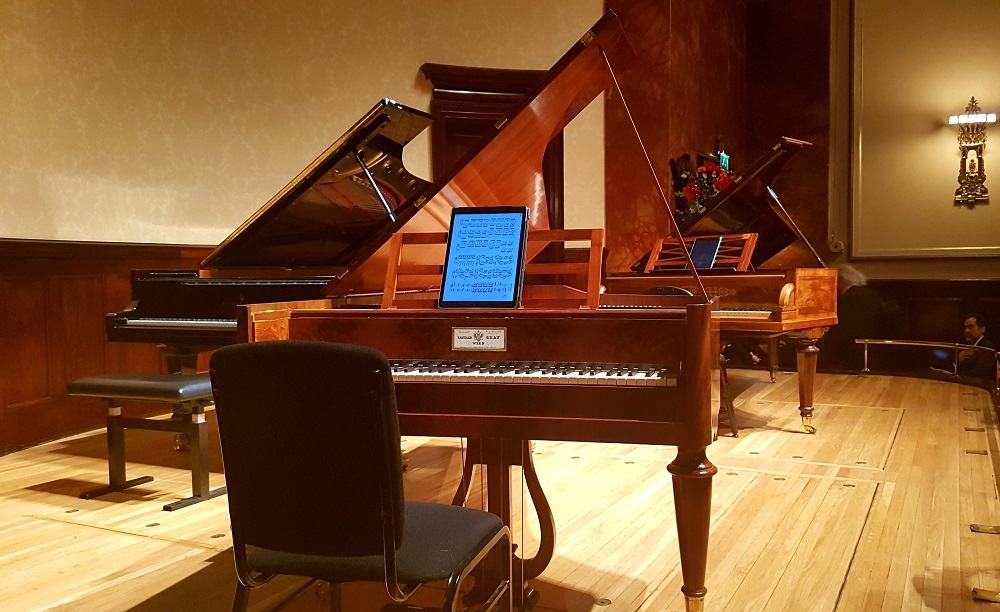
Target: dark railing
[955, 348]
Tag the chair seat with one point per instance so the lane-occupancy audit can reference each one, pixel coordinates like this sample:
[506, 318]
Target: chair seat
[173, 388]
[432, 533]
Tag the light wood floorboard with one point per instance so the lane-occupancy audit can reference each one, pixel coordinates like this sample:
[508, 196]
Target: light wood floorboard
[871, 513]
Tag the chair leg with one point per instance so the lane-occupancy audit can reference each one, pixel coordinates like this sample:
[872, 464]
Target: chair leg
[242, 598]
[489, 567]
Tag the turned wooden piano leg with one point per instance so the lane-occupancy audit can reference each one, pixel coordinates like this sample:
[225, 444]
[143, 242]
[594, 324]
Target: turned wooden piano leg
[692, 478]
[805, 361]
[772, 357]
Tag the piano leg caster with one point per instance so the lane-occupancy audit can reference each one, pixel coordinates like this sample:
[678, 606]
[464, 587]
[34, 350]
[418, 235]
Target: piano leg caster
[694, 604]
[984, 595]
[807, 424]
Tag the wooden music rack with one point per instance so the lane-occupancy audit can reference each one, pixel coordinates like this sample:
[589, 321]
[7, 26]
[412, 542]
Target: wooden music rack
[578, 282]
[734, 252]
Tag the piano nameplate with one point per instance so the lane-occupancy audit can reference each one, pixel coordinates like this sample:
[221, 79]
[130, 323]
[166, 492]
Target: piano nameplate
[478, 339]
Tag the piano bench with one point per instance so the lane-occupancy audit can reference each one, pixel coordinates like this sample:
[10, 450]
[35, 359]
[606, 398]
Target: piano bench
[187, 394]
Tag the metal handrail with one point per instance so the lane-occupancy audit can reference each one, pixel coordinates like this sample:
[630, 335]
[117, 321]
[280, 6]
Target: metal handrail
[956, 347]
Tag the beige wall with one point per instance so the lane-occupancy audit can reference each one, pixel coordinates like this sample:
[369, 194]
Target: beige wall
[172, 121]
[916, 62]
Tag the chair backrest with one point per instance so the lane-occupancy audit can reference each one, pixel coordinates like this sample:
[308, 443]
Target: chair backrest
[310, 444]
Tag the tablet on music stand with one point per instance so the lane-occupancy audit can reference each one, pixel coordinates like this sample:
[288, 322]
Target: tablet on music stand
[704, 251]
[484, 262]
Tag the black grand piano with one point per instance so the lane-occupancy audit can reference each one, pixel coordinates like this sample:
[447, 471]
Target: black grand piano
[326, 222]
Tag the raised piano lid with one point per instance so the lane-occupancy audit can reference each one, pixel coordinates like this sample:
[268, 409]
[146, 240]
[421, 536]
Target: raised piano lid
[749, 205]
[329, 218]
[505, 169]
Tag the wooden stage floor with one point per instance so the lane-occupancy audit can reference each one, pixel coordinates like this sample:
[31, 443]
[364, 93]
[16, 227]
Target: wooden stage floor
[871, 513]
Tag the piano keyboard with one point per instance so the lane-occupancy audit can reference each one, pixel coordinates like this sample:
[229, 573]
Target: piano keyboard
[532, 373]
[763, 314]
[744, 314]
[151, 323]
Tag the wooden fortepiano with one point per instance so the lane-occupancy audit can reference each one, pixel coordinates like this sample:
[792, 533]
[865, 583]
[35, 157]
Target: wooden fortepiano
[561, 373]
[799, 303]
[589, 375]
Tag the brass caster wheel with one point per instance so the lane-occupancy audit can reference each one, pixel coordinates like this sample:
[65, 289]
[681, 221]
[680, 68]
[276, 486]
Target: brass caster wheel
[807, 425]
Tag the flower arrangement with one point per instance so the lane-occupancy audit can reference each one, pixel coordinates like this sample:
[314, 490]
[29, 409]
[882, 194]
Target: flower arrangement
[698, 187]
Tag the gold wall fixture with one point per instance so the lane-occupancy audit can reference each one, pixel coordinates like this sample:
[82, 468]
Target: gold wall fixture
[972, 143]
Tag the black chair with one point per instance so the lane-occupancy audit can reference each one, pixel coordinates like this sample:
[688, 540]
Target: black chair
[311, 449]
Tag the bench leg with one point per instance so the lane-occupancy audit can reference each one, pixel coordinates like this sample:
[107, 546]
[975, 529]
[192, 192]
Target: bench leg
[116, 458]
[196, 429]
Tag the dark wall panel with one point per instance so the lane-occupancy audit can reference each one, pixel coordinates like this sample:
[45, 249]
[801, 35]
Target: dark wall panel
[26, 366]
[934, 309]
[55, 296]
[81, 302]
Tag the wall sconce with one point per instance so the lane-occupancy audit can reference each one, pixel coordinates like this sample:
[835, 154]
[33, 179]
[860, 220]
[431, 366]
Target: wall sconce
[972, 142]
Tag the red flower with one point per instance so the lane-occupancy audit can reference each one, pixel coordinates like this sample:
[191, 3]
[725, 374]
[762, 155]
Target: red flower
[691, 192]
[723, 181]
[709, 167]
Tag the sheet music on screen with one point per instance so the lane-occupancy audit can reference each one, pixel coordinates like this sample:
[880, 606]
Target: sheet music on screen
[484, 264]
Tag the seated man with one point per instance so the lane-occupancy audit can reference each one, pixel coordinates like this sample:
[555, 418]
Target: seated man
[976, 364]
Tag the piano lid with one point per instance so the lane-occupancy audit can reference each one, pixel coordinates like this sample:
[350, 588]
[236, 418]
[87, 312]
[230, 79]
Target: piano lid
[329, 218]
[749, 205]
[505, 169]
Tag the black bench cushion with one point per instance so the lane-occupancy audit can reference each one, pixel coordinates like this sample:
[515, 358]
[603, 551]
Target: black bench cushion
[174, 388]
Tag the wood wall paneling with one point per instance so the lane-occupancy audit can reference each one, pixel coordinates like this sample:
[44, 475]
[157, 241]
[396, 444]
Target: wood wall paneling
[25, 371]
[467, 104]
[685, 93]
[934, 309]
[934, 318]
[55, 296]
[81, 302]
[788, 94]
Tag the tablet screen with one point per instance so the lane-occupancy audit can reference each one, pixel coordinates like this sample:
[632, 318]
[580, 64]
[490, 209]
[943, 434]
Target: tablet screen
[484, 263]
[704, 251]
